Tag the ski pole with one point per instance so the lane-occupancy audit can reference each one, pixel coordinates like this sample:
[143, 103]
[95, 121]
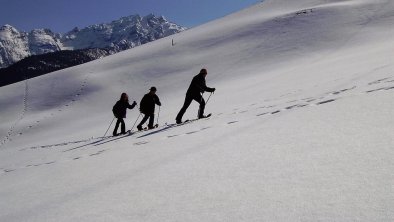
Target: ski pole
[158, 115]
[208, 99]
[109, 127]
[137, 117]
[135, 122]
[202, 98]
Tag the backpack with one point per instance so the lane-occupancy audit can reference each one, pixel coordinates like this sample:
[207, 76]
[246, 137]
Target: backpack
[116, 109]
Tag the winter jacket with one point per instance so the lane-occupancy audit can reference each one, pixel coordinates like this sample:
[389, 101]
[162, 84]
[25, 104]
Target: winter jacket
[147, 104]
[198, 86]
[120, 107]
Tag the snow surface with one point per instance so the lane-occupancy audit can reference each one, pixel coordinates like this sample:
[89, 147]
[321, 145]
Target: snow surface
[302, 126]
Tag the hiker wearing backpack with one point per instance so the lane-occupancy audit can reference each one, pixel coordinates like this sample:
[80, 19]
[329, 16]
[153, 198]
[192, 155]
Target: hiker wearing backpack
[119, 111]
[147, 107]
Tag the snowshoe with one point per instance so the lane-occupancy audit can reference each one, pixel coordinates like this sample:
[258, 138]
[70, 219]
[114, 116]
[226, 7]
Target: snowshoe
[152, 127]
[207, 116]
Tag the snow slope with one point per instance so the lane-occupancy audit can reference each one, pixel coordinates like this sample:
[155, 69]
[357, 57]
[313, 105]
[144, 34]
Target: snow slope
[301, 128]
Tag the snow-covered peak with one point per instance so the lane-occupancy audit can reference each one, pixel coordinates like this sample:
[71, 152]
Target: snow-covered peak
[42, 32]
[8, 32]
[118, 35]
[43, 41]
[13, 45]
[8, 27]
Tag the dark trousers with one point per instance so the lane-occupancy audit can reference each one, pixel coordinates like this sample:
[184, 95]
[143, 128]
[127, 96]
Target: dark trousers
[123, 126]
[188, 100]
[151, 118]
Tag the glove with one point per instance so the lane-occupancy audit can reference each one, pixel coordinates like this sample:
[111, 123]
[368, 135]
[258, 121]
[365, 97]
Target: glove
[134, 103]
[213, 90]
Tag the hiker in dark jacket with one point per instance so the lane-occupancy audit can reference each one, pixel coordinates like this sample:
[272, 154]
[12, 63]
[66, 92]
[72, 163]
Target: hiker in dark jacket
[119, 111]
[147, 107]
[197, 86]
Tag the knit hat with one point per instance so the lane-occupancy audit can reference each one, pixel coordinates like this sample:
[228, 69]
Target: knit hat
[203, 71]
[153, 88]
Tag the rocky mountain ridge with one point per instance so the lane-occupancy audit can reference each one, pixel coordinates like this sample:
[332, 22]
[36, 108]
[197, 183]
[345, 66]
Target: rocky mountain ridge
[124, 33]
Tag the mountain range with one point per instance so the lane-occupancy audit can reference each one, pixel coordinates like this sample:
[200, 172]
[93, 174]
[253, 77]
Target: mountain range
[124, 33]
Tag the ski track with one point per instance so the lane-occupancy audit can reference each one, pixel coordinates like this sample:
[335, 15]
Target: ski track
[10, 134]
[376, 86]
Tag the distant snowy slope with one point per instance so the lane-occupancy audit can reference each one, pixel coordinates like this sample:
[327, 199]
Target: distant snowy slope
[302, 126]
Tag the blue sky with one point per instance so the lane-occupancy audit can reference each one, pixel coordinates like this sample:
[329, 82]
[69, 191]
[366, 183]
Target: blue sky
[64, 15]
